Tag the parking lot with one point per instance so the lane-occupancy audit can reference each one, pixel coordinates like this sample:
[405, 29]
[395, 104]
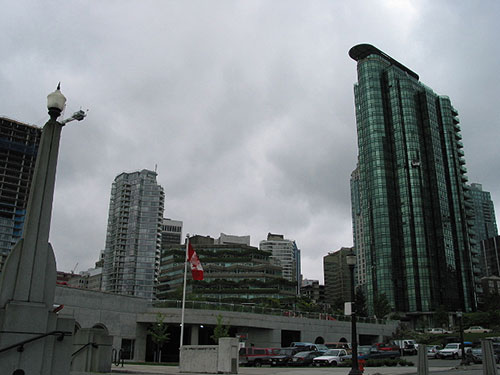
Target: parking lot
[436, 366]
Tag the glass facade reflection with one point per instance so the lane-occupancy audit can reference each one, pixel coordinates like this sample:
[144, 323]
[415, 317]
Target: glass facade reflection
[409, 213]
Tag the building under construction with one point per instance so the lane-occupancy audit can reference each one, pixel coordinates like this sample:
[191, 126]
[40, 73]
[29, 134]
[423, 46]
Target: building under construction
[18, 148]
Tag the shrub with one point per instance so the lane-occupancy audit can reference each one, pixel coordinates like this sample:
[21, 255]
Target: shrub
[404, 362]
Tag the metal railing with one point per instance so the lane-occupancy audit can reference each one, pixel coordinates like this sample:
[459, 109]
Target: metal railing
[255, 309]
[93, 344]
[117, 357]
[20, 345]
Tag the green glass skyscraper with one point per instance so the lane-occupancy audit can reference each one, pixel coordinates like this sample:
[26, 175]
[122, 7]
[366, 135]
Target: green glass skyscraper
[412, 194]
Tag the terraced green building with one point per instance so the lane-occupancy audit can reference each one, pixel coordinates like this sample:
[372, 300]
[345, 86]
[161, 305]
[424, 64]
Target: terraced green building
[233, 273]
[412, 212]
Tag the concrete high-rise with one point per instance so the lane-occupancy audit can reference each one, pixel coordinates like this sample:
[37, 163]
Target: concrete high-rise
[134, 235]
[286, 252]
[414, 207]
[18, 149]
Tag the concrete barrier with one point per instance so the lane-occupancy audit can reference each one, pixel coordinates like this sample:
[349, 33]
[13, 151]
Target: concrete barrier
[210, 359]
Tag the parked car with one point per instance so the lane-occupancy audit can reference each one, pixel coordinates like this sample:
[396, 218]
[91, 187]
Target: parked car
[309, 346]
[256, 356]
[452, 350]
[304, 358]
[496, 348]
[408, 347]
[363, 352]
[432, 351]
[477, 329]
[475, 355]
[331, 357]
[385, 347]
[438, 331]
[283, 356]
[371, 352]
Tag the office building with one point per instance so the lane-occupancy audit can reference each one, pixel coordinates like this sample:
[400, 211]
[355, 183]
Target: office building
[134, 235]
[337, 276]
[18, 149]
[415, 214]
[313, 290]
[484, 228]
[233, 273]
[491, 286]
[485, 224]
[490, 254]
[171, 232]
[232, 239]
[357, 229]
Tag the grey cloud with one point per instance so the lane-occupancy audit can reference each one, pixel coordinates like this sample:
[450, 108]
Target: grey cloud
[246, 108]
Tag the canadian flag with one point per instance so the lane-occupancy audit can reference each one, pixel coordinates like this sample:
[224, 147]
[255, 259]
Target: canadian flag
[196, 268]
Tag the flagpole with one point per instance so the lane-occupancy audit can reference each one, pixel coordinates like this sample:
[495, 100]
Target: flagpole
[184, 291]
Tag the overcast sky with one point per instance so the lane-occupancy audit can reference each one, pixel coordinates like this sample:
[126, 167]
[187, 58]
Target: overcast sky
[245, 107]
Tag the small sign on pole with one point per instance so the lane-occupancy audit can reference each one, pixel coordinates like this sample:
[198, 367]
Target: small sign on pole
[348, 308]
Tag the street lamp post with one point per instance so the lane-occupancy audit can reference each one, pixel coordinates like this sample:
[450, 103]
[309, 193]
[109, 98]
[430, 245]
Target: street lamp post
[351, 262]
[27, 281]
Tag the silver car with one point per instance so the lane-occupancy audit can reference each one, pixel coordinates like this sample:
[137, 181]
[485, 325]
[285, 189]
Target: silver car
[432, 351]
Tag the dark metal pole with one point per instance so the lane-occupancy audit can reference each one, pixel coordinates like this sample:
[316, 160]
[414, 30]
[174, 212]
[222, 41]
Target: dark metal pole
[462, 361]
[354, 341]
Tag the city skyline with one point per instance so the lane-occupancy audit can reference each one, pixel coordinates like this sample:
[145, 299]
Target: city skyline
[246, 109]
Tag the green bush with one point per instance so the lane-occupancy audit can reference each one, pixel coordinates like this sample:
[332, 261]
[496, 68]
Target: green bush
[391, 362]
[374, 363]
[404, 362]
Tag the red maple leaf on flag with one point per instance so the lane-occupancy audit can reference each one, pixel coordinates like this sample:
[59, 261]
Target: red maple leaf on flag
[196, 268]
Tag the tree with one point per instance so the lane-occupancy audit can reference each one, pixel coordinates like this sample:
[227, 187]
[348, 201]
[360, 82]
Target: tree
[306, 305]
[338, 305]
[381, 305]
[159, 334]
[273, 303]
[361, 309]
[220, 330]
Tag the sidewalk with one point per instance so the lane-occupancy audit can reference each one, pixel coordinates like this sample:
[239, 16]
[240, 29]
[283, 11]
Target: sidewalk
[170, 370]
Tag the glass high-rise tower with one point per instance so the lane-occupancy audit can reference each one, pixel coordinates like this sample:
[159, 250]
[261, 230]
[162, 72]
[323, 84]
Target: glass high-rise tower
[134, 235]
[485, 224]
[412, 216]
[18, 149]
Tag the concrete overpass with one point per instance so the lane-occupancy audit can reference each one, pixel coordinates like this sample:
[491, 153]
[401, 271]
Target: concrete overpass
[127, 319]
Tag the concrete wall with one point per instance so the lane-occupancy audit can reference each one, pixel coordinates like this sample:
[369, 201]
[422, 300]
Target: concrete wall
[127, 317]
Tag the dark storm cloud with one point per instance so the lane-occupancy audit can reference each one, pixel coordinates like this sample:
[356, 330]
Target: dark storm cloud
[246, 108]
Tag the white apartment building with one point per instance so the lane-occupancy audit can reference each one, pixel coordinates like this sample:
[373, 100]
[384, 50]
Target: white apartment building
[286, 252]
